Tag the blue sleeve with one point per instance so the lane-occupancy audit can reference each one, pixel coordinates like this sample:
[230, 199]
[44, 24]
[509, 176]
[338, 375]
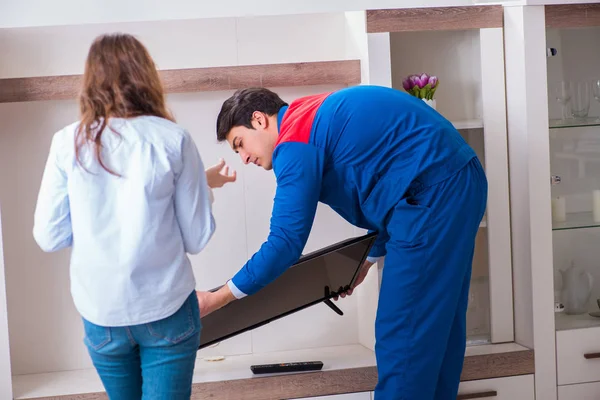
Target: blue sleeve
[299, 171]
[378, 249]
[192, 199]
[52, 218]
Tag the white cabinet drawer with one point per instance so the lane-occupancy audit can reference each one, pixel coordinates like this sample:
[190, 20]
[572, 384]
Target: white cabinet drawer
[582, 391]
[578, 355]
[511, 388]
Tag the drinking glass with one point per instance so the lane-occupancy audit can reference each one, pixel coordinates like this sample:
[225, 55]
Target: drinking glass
[580, 102]
[562, 94]
[596, 92]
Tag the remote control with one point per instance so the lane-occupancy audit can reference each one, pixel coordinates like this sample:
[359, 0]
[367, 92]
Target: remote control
[287, 367]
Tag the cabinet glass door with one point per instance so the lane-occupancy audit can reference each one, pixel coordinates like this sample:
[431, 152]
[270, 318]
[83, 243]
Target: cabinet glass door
[573, 66]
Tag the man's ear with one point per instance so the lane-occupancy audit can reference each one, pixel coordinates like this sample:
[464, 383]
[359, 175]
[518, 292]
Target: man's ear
[260, 119]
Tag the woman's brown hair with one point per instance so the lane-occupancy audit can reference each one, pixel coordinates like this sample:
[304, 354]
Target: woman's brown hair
[120, 81]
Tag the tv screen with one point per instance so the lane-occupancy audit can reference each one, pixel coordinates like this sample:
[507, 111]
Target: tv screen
[316, 277]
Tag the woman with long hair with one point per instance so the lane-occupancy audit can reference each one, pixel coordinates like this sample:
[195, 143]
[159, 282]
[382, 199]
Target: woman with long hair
[126, 188]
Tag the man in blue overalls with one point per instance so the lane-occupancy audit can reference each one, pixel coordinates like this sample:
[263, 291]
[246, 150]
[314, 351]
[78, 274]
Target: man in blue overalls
[387, 162]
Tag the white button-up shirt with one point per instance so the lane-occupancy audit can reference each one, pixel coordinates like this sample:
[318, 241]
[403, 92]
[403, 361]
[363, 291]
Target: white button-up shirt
[129, 234]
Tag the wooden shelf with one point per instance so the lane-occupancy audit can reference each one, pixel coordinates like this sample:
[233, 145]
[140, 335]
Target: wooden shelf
[345, 72]
[347, 369]
[572, 15]
[435, 19]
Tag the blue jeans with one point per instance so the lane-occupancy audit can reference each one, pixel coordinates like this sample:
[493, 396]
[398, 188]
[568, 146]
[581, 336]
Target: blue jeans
[149, 361]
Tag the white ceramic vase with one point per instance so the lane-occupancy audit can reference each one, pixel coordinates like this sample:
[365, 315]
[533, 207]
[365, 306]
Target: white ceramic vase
[430, 103]
[576, 289]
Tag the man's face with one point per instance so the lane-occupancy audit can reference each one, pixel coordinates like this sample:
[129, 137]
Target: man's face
[255, 145]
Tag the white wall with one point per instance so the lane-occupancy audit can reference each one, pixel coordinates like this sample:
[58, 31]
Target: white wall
[5, 370]
[179, 44]
[45, 329]
[25, 13]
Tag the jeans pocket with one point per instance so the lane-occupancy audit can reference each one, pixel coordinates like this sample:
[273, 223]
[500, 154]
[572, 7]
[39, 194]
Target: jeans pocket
[96, 337]
[179, 326]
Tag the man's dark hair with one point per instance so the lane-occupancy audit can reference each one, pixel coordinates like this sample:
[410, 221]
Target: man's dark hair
[237, 110]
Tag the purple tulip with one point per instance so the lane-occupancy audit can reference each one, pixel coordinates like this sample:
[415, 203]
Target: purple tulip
[421, 80]
[422, 85]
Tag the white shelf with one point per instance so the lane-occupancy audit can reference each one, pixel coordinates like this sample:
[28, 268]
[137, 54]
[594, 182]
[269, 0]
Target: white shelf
[468, 124]
[493, 349]
[478, 340]
[566, 322]
[483, 223]
[232, 367]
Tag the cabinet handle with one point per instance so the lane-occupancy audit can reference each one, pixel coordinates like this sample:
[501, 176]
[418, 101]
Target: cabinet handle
[480, 395]
[589, 356]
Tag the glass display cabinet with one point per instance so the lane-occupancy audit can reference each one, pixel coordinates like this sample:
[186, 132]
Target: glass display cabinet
[573, 79]
[552, 70]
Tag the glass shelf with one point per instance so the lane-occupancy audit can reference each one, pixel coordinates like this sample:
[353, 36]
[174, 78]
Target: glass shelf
[580, 220]
[574, 123]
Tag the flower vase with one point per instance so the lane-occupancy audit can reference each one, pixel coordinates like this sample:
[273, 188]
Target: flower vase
[430, 103]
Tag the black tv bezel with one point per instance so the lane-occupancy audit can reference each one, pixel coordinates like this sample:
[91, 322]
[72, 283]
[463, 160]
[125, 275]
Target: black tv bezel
[326, 295]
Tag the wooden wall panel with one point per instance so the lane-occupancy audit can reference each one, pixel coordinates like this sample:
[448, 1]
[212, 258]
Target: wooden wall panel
[434, 19]
[572, 15]
[196, 79]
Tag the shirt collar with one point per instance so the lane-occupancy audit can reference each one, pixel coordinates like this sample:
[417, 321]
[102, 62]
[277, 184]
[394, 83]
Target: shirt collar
[280, 115]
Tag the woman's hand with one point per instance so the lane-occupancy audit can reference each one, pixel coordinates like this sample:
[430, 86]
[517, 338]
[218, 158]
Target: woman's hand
[218, 175]
[212, 301]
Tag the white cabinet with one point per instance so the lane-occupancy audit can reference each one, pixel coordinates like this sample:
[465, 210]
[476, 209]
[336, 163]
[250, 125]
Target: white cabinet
[584, 391]
[511, 388]
[553, 129]
[578, 355]
[37, 284]
[465, 50]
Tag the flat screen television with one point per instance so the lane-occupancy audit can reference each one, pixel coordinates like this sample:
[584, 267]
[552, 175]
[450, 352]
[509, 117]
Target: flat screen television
[316, 278]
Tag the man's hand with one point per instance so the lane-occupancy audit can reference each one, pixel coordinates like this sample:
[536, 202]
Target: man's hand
[364, 270]
[212, 301]
[218, 175]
